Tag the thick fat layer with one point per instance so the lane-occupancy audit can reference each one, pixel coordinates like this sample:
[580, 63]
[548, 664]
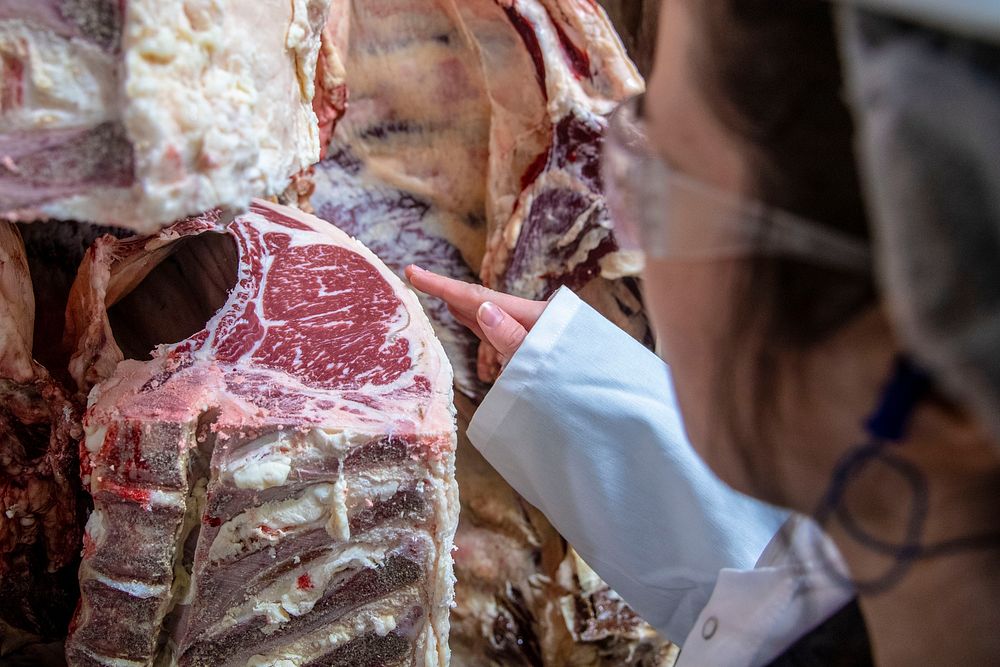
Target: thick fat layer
[214, 97]
[219, 99]
[50, 82]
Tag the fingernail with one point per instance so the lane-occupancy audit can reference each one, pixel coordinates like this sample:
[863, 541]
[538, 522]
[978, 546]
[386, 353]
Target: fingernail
[417, 268]
[489, 314]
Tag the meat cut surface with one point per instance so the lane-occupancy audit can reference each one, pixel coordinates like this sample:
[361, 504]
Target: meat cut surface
[136, 113]
[402, 229]
[277, 489]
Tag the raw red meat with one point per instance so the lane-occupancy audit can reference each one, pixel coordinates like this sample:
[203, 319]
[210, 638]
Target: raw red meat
[402, 229]
[39, 434]
[277, 489]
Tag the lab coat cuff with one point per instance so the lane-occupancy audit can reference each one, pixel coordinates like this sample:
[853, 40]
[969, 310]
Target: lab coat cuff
[523, 367]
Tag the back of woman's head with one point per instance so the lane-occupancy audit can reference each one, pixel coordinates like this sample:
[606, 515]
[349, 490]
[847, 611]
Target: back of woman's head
[771, 73]
[774, 73]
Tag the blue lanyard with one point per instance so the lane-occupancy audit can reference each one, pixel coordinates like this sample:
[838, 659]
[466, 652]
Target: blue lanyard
[907, 387]
[887, 428]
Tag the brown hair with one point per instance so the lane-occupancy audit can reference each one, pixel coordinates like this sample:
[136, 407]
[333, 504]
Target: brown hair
[771, 70]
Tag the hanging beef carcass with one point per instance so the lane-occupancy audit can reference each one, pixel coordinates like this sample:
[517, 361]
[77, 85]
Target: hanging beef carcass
[39, 433]
[508, 166]
[138, 113]
[475, 122]
[278, 488]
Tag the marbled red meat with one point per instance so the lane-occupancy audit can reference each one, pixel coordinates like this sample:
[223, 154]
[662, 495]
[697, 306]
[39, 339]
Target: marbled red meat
[476, 126]
[282, 482]
[402, 229]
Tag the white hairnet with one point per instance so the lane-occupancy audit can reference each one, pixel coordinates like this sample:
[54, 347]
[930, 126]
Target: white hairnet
[927, 107]
[968, 18]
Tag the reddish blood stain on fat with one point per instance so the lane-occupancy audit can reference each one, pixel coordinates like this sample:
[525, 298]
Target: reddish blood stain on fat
[12, 86]
[212, 521]
[89, 547]
[578, 59]
[530, 39]
[135, 494]
[535, 169]
[305, 582]
[267, 530]
[75, 621]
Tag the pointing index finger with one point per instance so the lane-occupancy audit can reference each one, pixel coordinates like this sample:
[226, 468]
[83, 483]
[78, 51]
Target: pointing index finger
[465, 298]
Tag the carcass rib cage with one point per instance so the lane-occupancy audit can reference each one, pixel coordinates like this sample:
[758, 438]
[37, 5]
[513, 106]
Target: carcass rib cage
[527, 85]
[502, 181]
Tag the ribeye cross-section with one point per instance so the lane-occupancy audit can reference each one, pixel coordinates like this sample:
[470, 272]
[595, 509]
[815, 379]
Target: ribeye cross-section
[277, 489]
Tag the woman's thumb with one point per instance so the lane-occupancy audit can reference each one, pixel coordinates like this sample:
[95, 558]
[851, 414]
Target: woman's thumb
[504, 332]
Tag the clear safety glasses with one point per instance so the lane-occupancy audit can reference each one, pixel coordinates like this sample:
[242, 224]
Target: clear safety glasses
[664, 214]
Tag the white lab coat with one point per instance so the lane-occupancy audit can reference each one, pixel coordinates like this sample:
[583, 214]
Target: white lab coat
[584, 424]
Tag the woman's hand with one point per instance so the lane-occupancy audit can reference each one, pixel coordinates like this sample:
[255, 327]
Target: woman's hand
[499, 320]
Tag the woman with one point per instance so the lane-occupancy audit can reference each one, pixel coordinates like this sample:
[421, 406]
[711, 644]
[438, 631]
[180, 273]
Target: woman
[793, 383]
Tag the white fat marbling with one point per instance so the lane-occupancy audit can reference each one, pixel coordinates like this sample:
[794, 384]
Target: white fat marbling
[268, 522]
[286, 598]
[339, 525]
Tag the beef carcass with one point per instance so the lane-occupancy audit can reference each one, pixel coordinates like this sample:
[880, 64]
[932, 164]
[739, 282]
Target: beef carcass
[39, 434]
[278, 488]
[475, 121]
[494, 111]
[507, 167]
[549, 223]
[138, 113]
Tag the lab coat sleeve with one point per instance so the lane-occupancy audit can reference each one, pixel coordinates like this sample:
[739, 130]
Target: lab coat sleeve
[755, 615]
[584, 424]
